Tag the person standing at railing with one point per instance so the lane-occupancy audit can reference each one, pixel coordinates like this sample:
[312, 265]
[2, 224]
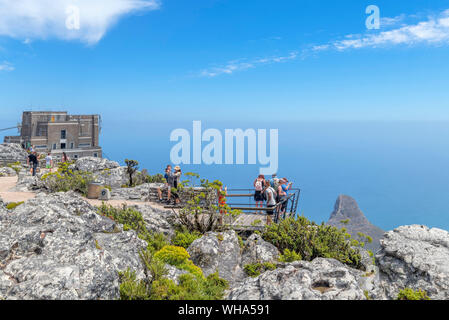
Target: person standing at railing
[258, 187]
[270, 196]
[284, 187]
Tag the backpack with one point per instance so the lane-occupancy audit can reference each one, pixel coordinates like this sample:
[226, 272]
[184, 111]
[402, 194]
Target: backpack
[258, 185]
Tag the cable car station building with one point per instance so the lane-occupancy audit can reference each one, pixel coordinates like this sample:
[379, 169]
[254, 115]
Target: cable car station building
[58, 132]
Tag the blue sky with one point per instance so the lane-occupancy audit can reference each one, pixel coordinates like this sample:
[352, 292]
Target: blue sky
[227, 59]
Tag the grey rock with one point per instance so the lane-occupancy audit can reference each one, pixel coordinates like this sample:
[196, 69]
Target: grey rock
[258, 250]
[56, 247]
[158, 220]
[219, 252]
[173, 273]
[12, 152]
[93, 164]
[7, 172]
[106, 172]
[347, 208]
[416, 257]
[321, 279]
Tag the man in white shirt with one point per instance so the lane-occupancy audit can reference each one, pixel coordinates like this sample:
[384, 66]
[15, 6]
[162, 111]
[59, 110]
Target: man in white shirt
[49, 161]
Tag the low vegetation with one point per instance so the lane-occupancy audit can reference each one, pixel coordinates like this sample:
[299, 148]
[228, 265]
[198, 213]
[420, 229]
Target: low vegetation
[255, 269]
[410, 294]
[310, 241]
[200, 212]
[193, 285]
[16, 166]
[184, 238]
[65, 179]
[13, 205]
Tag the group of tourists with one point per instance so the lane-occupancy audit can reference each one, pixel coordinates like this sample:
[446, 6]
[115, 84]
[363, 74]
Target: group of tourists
[273, 192]
[33, 160]
[172, 181]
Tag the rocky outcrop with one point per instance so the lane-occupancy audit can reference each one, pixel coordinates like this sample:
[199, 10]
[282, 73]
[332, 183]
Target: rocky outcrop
[321, 279]
[347, 209]
[257, 250]
[106, 172]
[415, 257]
[158, 220]
[56, 247]
[7, 172]
[220, 252]
[12, 152]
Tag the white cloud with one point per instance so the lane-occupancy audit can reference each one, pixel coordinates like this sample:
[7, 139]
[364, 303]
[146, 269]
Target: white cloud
[434, 31]
[44, 19]
[6, 66]
[238, 65]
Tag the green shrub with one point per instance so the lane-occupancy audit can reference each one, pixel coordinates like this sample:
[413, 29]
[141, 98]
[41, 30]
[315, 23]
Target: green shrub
[311, 241]
[64, 180]
[13, 205]
[189, 288]
[192, 286]
[289, 256]
[178, 257]
[130, 288]
[185, 238]
[16, 166]
[132, 219]
[410, 294]
[255, 269]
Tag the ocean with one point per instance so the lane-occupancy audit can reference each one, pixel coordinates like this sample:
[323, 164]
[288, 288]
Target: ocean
[397, 171]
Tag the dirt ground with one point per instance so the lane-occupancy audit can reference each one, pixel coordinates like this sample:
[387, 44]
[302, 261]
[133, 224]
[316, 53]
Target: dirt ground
[7, 183]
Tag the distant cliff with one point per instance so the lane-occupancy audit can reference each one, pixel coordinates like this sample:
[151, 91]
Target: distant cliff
[346, 209]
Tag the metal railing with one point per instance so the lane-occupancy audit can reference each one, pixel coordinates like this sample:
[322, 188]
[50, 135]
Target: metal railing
[290, 202]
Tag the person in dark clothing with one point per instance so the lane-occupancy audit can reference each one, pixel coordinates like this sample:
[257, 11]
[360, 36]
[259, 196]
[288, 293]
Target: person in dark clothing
[33, 162]
[167, 185]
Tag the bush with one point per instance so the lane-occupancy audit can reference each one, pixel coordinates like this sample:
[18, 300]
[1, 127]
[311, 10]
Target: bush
[185, 238]
[255, 269]
[13, 205]
[130, 288]
[200, 212]
[311, 241]
[192, 286]
[178, 257]
[410, 294]
[65, 179]
[189, 288]
[131, 219]
[289, 256]
[16, 166]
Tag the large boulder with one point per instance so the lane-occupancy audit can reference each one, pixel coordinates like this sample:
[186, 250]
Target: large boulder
[56, 247]
[321, 279]
[7, 172]
[416, 257]
[12, 152]
[158, 220]
[257, 250]
[219, 251]
[93, 164]
[105, 171]
[348, 215]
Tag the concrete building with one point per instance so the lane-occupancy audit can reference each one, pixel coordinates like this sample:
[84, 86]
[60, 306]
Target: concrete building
[58, 132]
